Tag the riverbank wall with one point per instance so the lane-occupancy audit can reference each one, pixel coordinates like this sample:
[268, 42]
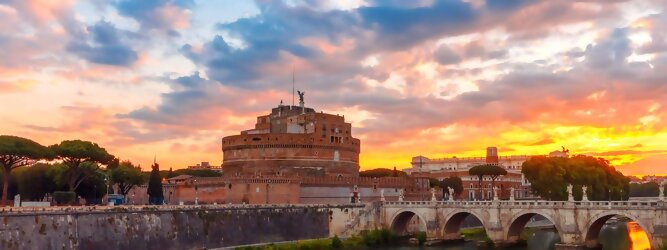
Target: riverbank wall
[172, 227]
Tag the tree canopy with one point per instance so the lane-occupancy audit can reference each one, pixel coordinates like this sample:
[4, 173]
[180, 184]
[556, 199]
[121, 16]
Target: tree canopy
[16, 152]
[649, 189]
[193, 172]
[382, 172]
[34, 181]
[490, 170]
[550, 176]
[126, 176]
[75, 152]
[453, 182]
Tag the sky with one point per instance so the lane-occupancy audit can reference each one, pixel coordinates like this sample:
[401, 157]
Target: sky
[170, 78]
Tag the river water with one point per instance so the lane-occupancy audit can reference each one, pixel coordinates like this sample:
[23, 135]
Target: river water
[613, 236]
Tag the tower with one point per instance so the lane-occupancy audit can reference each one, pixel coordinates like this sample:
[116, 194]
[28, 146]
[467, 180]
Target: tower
[492, 155]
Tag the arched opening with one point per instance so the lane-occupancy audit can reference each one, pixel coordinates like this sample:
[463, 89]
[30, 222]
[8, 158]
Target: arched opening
[408, 223]
[617, 231]
[534, 230]
[464, 225]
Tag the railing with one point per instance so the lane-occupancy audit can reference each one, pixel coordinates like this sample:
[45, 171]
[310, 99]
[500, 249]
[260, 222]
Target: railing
[536, 203]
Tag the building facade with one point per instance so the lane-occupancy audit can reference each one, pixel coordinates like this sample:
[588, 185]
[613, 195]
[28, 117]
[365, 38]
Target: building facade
[206, 166]
[286, 190]
[293, 140]
[447, 167]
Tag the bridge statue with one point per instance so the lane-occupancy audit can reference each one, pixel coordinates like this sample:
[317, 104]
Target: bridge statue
[433, 195]
[382, 195]
[495, 193]
[511, 193]
[570, 197]
[661, 195]
[451, 193]
[400, 195]
[584, 196]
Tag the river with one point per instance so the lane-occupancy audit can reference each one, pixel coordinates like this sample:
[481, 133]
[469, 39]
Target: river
[613, 236]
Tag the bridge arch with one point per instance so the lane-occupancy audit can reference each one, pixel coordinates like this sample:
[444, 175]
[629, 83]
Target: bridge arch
[519, 221]
[596, 223]
[452, 226]
[400, 221]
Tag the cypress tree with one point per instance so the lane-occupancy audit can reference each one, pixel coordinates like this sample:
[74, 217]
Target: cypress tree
[155, 195]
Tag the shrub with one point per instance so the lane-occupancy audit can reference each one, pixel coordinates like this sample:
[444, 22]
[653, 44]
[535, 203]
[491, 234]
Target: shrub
[64, 198]
[336, 243]
[421, 237]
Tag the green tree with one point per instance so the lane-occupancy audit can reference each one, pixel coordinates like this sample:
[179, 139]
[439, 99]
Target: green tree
[453, 182]
[76, 152]
[13, 187]
[382, 172]
[649, 189]
[34, 182]
[550, 176]
[495, 171]
[93, 187]
[17, 152]
[126, 176]
[155, 193]
[491, 170]
[193, 172]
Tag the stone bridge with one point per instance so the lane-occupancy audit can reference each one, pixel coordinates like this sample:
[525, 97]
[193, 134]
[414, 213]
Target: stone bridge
[578, 222]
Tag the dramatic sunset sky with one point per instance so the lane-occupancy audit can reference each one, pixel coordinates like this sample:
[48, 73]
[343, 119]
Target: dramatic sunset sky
[437, 78]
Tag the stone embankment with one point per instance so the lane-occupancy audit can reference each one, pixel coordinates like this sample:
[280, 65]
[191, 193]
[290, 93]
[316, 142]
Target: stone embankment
[170, 227]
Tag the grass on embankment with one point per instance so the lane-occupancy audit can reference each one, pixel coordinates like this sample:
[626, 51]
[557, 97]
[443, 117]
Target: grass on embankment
[368, 239]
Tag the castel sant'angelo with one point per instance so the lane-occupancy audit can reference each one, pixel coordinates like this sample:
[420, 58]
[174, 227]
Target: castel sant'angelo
[293, 140]
[293, 155]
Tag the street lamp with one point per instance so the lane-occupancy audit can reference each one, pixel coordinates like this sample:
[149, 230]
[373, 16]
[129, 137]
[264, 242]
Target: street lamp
[106, 179]
[196, 193]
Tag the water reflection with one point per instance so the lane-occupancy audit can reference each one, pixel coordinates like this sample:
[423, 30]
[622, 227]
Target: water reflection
[638, 237]
[616, 235]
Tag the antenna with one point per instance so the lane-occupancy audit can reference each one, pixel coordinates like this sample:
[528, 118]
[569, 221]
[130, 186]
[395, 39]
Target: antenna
[292, 84]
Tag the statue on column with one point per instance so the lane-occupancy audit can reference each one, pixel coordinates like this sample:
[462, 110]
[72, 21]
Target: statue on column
[511, 193]
[570, 197]
[451, 193]
[584, 196]
[400, 194]
[433, 195]
[382, 195]
[661, 195]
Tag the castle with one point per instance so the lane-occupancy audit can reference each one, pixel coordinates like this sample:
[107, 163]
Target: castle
[293, 155]
[293, 140]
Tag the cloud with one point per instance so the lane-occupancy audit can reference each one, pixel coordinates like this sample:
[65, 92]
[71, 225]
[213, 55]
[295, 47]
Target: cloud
[504, 5]
[611, 52]
[398, 28]
[445, 55]
[545, 141]
[105, 45]
[16, 86]
[166, 15]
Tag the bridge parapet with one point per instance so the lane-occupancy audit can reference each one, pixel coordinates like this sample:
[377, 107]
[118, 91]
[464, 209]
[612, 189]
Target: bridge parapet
[532, 204]
[577, 222]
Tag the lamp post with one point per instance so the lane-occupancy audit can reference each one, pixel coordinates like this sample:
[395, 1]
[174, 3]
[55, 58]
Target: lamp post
[196, 193]
[106, 179]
